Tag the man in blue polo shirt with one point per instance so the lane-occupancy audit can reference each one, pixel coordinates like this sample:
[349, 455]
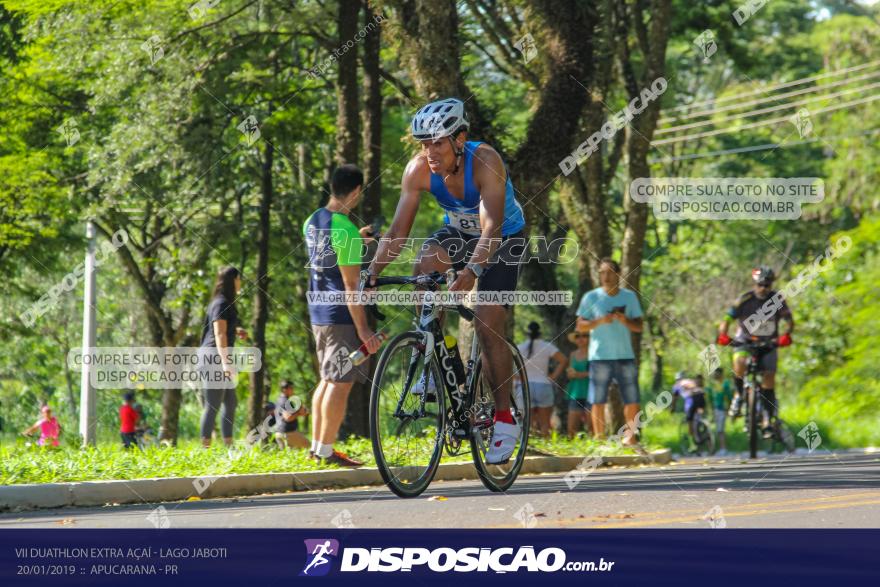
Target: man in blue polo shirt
[610, 314]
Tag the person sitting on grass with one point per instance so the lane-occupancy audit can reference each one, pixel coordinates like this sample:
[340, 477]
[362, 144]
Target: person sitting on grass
[48, 426]
[128, 419]
[287, 411]
[578, 386]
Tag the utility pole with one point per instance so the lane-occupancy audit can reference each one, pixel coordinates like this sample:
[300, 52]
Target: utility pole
[87, 412]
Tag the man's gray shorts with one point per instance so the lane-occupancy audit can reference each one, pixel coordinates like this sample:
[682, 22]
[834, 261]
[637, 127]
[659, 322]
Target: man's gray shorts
[334, 342]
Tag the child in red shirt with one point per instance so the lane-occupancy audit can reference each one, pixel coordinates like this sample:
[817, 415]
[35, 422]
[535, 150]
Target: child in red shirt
[128, 418]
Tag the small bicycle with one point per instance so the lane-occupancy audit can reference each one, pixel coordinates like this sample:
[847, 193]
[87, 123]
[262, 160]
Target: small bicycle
[702, 441]
[424, 400]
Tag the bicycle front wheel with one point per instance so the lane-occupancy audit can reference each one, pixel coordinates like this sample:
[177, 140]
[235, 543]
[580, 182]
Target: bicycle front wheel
[784, 436]
[406, 428]
[754, 419]
[500, 477]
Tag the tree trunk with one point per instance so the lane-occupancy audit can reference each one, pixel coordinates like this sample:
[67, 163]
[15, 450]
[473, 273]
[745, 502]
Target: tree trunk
[261, 297]
[347, 151]
[347, 124]
[371, 205]
[653, 44]
[357, 415]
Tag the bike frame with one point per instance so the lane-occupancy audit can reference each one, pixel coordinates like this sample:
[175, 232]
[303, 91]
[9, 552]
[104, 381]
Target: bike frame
[460, 393]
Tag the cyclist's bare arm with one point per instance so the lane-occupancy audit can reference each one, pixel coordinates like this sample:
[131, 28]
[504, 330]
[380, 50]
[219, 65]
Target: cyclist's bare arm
[416, 179]
[789, 322]
[490, 178]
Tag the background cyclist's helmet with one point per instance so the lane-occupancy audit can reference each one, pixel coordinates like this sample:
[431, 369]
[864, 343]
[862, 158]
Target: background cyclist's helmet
[439, 119]
[680, 375]
[763, 275]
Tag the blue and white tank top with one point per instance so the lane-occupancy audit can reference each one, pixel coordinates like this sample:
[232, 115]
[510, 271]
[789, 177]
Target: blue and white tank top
[465, 214]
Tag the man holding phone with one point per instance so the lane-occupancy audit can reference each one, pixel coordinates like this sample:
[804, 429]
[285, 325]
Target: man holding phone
[610, 314]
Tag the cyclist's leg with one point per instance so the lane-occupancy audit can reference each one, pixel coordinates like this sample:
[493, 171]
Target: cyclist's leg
[489, 324]
[490, 320]
[739, 372]
[690, 408]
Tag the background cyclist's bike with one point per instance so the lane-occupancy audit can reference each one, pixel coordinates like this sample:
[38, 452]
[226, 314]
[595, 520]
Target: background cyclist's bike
[425, 400]
[756, 412]
[702, 441]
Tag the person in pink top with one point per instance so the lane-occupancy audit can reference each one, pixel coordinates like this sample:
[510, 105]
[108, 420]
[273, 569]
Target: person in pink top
[48, 426]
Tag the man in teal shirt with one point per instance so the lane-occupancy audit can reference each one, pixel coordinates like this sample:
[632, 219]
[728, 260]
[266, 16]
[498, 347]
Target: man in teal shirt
[339, 325]
[610, 314]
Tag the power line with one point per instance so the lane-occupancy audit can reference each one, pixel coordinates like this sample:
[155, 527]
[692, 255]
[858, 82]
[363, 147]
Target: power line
[768, 109]
[780, 86]
[762, 147]
[809, 90]
[761, 123]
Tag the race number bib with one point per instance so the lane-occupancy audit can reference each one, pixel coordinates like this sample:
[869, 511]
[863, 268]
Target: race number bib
[467, 222]
[762, 328]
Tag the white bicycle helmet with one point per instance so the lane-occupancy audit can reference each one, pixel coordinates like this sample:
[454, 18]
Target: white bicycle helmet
[439, 119]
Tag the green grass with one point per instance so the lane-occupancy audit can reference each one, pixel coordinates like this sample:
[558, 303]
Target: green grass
[33, 464]
[22, 463]
[666, 430]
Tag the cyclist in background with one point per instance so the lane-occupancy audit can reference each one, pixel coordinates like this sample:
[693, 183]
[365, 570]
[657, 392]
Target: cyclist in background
[691, 391]
[754, 303]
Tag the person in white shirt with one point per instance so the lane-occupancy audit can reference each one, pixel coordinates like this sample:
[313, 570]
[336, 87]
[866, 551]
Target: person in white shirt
[537, 354]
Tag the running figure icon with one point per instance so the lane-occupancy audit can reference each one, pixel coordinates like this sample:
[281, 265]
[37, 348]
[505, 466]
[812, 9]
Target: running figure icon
[319, 554]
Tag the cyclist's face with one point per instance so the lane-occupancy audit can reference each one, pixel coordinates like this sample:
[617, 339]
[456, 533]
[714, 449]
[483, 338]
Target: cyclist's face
[762, 290]
[439, 153]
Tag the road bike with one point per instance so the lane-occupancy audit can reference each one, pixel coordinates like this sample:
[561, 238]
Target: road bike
[424, 400]
[756, 412]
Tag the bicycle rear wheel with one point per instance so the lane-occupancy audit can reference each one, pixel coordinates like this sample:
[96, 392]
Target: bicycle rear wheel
[406, 428]
[500, 477]
[703, 437]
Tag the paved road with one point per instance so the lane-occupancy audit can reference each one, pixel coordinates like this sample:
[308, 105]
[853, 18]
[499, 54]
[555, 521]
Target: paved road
[809, 491]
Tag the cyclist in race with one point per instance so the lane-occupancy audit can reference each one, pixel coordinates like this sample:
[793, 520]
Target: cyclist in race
[757, 315]
[482, 238]
[693, 394]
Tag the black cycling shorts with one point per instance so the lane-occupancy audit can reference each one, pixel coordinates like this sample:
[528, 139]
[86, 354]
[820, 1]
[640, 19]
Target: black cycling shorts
[698, 400]
[501, 274]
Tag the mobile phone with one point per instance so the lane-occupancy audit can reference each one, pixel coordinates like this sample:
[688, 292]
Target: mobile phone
[618, 310]
[376, 225]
